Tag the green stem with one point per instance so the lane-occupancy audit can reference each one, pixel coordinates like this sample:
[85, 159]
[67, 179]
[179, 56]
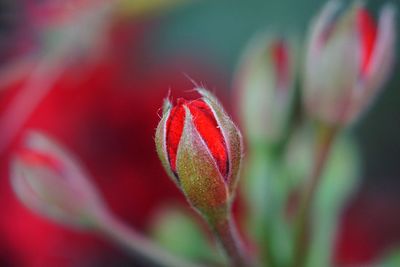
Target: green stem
[138, 244]
[272, 214]
[227, 234]
[324, 140]
[268, 258]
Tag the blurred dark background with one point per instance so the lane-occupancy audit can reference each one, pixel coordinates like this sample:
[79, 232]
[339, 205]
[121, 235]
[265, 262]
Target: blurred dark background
[103, 99]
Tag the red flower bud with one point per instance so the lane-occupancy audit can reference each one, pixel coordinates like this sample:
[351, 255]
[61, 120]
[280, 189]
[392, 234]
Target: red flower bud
[50, 181]
[205, 124]
[201, 149]
[349, 57]
[264, 83]
[367, 28]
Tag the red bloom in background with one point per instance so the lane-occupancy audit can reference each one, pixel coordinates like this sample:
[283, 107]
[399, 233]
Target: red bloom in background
[106, 113]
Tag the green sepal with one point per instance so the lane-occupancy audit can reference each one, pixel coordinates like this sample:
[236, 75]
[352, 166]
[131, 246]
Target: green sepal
[160, 140]
[232, 136]
[200, 179]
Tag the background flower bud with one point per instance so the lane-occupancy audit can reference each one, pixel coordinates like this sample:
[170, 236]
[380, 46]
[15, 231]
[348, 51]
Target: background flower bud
[201, 150]
[265, 88]
[48, 180]
[347, 60]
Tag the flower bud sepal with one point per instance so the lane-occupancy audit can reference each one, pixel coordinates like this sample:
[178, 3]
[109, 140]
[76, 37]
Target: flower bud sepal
[200, 179]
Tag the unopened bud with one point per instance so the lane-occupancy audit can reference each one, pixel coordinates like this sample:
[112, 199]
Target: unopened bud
[348, 59]
[49, 180]
[201, 150]
[265, 88]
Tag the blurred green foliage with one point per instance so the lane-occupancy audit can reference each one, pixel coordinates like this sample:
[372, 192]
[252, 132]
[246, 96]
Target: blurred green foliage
[178, 231]
[272, 187]
[391, 259]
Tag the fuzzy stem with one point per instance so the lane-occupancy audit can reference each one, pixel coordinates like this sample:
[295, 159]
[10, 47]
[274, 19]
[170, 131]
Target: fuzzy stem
[39, 83]
[138, 244]
[324, 139]
[226, 232]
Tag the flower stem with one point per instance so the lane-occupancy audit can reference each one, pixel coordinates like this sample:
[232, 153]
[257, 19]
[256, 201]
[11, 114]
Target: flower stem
[227, 234]
[324, 139]
[138, 244]
[39, 83]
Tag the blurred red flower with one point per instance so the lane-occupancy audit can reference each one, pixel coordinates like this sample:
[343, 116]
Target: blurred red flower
[105, 112]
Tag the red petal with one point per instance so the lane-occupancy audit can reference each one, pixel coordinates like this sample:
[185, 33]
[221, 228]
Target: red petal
[174, 128]
[206, 125]
[367, 28]
[36, 158]
[208, 128]
[281, 62]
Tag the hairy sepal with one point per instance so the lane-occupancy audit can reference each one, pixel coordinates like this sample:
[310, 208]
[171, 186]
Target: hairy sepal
[200, 179]
[160, 140]
[232, 136]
